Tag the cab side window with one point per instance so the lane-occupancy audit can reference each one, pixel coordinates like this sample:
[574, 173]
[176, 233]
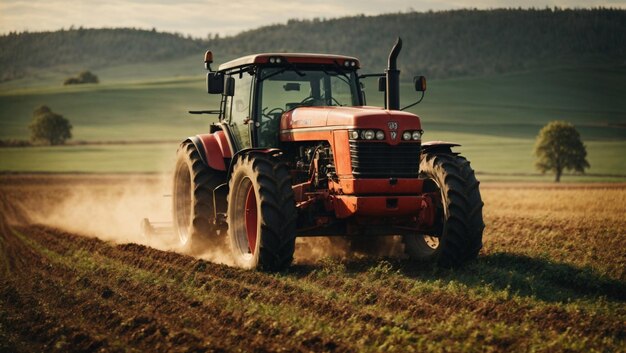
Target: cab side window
[238, 110]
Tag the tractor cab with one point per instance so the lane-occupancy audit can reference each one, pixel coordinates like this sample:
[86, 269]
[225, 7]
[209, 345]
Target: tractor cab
[257, 89]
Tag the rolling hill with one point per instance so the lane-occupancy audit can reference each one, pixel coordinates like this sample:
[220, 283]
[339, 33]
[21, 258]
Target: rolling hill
[494, 117]
[498, 77]
[438, 44]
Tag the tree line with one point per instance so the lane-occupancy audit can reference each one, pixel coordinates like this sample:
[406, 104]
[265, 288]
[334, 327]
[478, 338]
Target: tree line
[79, 49]
[438, 44]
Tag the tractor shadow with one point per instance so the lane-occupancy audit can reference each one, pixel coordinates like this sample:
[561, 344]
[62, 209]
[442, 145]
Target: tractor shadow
[515, 274]
[534, 277]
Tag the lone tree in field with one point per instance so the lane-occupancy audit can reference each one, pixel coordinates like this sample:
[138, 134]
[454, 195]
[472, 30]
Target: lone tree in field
[559, 147]
[88, 77]
[83, 77]
[49, 127]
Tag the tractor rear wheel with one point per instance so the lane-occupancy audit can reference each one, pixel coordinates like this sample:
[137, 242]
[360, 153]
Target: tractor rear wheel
[261, 213]
[458, 230]
[192, 197]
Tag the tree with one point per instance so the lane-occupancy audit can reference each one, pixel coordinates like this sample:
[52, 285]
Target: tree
[43, 109]
[49, 127]
[558, 147]
[87, 77]
[83, 77]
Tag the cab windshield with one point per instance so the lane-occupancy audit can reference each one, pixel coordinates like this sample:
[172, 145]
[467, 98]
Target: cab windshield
[285, 88]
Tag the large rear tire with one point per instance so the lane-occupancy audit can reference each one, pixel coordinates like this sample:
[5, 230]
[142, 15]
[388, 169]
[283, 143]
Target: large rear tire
[458, 231]
[192, 196]
[261, 213]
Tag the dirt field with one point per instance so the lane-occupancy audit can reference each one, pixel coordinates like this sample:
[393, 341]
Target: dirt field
[75, 277]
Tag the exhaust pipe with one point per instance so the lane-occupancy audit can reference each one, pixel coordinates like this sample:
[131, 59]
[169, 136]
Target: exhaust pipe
[393, 77]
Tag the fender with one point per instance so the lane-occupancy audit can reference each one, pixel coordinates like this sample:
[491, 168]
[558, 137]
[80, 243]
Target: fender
[213, 148]
[245, 151]
[436, 145]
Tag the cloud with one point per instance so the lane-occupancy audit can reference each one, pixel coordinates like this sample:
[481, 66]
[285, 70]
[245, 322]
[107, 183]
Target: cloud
[199, 17]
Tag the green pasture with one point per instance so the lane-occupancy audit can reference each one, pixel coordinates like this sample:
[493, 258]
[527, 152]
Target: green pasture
[155, 110]
[495, 118]
[132, 158]
[493, 158]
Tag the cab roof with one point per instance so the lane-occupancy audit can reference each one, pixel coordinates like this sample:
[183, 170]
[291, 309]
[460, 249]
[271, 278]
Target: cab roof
[293, 58]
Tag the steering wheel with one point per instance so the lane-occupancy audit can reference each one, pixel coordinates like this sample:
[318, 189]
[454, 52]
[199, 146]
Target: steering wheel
[273, 111]
[308, 101]
[265, 123]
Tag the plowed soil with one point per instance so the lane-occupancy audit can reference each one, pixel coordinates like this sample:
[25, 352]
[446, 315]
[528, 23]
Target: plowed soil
[551, 277]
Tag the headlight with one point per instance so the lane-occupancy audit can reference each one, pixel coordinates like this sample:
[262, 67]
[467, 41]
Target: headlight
[417, 135]
[406, 135]
[368, 134]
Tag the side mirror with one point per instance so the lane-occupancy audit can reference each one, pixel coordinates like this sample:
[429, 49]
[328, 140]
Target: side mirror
[229, 86]
[420, 83]
[420, 86]
[382, 84]
[215, 83]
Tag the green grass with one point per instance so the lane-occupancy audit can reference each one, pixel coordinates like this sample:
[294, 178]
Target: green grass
[140, 158]
[154, 110]
[519, 104]
[501, 156]
[495, 118]
[485, 153]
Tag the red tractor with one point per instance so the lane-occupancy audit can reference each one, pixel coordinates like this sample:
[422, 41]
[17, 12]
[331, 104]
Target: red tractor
[297, 152]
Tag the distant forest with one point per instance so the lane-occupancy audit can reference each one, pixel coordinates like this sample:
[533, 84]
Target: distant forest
[438, 44]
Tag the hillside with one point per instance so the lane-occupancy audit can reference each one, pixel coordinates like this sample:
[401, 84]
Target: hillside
[438, 44]
[495, 118]
[457, 43]
[76, 49]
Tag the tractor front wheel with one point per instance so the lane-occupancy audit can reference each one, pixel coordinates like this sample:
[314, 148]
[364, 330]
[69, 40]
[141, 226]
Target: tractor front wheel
[456, 236]
[261, 213]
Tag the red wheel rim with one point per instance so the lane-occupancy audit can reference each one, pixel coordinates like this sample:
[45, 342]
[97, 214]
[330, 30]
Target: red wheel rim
[251, 219]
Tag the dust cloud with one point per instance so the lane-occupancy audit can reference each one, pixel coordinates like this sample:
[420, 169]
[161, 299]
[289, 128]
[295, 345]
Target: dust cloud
[112, 208]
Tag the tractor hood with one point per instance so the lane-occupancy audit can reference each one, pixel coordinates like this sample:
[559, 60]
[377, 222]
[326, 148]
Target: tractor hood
[339, 118]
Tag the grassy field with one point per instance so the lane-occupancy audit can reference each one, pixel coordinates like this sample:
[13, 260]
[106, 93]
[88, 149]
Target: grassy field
[550, 278]
[155, 110]
[495, 118]
[131, 158]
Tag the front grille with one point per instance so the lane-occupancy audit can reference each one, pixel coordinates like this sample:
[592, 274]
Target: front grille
[380, 160]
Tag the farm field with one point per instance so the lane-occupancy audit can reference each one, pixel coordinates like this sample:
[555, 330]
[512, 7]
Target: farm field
[75, 276]
[495, 118]
[89, 261]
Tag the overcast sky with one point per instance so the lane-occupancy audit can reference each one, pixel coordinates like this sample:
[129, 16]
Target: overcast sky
[200, 17]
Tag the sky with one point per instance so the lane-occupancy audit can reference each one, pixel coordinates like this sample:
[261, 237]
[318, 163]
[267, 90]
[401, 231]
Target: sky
[201, 17]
